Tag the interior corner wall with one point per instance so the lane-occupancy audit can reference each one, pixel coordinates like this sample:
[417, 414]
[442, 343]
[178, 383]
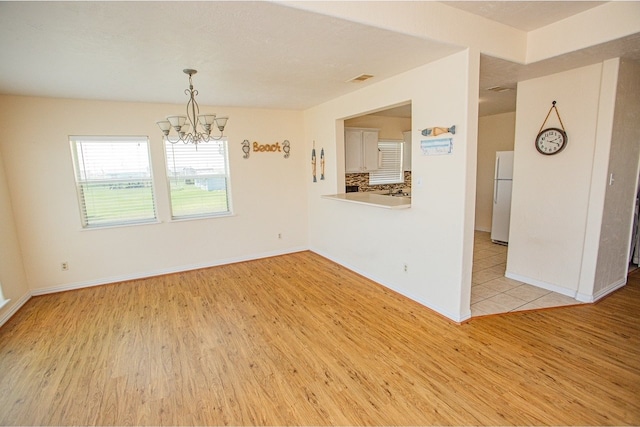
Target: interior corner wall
[435, 236]
[617, 219]
[598, 188]
[12, 277]
[552, 195]
[495, 133]
[268, 194]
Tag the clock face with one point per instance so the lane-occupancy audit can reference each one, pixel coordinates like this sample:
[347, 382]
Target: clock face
[551, 141]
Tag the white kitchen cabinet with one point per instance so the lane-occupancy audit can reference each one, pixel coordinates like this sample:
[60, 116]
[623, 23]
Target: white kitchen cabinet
[361, 150]
[406, 151]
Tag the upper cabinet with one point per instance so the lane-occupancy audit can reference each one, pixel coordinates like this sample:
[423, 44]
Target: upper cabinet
[361, 150]
[406, 151]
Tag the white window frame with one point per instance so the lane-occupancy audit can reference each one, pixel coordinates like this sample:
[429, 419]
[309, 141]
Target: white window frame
[90, 175]
[390, 167]
[210, 175]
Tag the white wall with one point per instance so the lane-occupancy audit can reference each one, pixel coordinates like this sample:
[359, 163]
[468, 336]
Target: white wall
[435, 236]
[12, 276]
[268, 194]
[495, 133]
[554, 203]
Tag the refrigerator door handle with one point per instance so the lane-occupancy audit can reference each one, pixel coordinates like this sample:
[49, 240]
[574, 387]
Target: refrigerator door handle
[495, 192]
[497, 168]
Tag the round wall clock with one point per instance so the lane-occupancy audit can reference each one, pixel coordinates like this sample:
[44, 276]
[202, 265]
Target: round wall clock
[551, 141]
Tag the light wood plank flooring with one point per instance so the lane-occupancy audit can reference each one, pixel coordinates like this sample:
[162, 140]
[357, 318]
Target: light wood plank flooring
[299, 340]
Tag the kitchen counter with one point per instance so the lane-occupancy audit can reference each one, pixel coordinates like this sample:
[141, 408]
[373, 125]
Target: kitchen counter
[372, 199]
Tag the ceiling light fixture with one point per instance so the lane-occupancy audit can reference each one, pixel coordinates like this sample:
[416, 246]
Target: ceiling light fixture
[180, 125]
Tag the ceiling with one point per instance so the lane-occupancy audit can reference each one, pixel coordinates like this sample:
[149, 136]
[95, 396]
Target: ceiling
[506, 74]
[524, 15]
[249, 54]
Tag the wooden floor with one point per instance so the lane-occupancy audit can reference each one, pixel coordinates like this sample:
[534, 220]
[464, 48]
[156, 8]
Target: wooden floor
[299, 340]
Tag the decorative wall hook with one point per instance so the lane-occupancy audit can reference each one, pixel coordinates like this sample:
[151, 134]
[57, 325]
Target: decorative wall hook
[435, 131]
[246, 148]
[286, 147]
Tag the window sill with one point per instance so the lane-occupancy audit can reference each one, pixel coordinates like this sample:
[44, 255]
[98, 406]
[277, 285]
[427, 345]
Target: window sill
[107, 227]
[196, 218]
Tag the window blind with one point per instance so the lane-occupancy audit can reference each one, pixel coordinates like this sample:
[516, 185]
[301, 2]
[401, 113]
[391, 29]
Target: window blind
[390, 169]
[113, 180]
[198, 179]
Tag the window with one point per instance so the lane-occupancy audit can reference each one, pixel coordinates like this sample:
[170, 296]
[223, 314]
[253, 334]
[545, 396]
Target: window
[198, 179]
[113, 180]
[390, 166]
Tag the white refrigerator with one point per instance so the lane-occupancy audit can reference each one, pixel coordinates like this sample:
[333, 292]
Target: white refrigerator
[502, 197]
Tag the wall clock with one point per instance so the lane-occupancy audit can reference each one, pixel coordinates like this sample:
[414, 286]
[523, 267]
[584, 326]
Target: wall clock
[551, 140]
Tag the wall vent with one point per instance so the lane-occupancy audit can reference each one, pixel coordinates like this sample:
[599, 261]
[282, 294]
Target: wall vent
[360, 78]
[499, 89]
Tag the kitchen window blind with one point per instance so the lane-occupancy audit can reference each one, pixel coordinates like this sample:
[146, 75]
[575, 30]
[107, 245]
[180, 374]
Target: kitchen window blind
[198, 179]
[390, 169]
[113, 180]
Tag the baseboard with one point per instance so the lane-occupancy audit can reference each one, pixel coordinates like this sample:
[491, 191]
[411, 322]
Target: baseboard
[602, 293]
[160, 272]
[458, 318]
[14, 309]
[455, 317]
[544, 285]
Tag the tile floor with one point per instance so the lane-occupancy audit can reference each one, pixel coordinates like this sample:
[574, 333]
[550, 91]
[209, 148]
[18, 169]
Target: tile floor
[492, 292]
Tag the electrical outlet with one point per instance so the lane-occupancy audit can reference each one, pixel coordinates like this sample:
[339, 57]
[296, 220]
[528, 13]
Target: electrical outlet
[64, 266]
[405, 267]
[279, 235]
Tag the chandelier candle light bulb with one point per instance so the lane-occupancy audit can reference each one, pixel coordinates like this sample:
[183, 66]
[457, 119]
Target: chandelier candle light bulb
[181, 124]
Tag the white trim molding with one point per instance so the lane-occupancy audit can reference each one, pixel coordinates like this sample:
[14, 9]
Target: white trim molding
[544, 285]
[602, 293]
[455, 317]
[19, 303]
[143, 275]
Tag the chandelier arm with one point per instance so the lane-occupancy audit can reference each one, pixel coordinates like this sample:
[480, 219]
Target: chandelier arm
[193, 109]
[206, 137]
[171, 140]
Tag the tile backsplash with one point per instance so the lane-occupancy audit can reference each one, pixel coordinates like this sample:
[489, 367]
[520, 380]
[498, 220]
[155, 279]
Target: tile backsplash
[362, 180]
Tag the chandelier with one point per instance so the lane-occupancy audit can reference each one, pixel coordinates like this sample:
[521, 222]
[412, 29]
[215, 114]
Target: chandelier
[201, 124]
